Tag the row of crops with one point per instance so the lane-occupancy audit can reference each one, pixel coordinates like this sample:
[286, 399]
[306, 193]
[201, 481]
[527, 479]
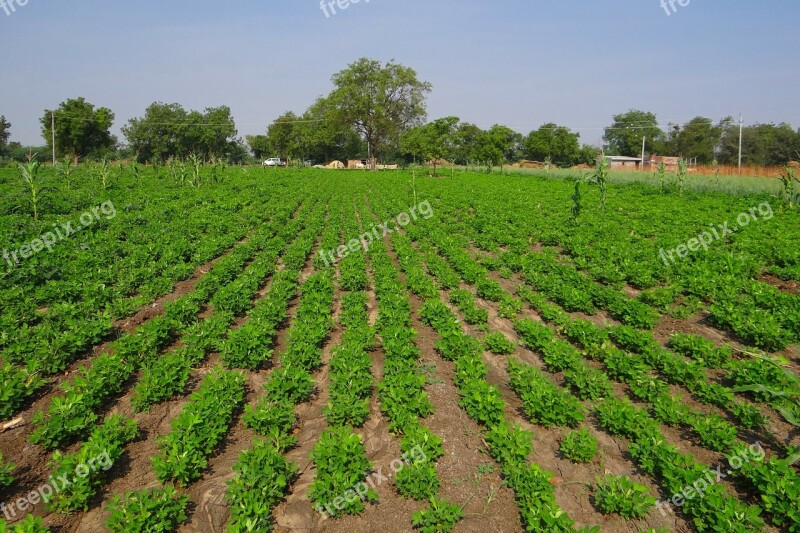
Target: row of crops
[646, 375]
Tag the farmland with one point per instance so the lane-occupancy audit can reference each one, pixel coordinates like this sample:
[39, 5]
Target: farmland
[299, 349]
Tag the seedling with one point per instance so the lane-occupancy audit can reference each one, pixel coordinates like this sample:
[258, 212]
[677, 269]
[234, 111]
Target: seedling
[620, 495]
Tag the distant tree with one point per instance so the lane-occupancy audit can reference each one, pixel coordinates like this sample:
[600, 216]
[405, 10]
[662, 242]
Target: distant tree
[588, 155]
[762, 144]
[81, 130]
[5, 134]
[168, 130]
[490, 149]
[237, 152]
[323, 138]
[508, 140]
[624, 136]
[698, 138]
[431, 142]
[159, 135]
[283, 136]
[465, 141]
[216, 133]
[259, 146]
[553, 142]
[378, 101]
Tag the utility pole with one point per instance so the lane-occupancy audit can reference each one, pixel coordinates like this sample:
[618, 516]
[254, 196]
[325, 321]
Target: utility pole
[741, 130]
[53, 131]
[644, 140]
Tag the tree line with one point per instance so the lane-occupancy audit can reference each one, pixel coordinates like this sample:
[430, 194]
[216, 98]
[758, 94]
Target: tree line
[378, 111]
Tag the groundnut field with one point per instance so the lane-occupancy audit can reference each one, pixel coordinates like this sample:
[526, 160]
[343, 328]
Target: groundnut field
[272, 349]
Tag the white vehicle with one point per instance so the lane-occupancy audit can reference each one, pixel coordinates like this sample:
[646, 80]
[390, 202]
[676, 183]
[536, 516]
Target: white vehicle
[274, 162]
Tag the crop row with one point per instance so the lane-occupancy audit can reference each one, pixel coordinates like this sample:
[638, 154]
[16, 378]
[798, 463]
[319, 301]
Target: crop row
[70, 416]
[262, 475]
[200, 427]
[510, 446]
[20, 383]
[543, 401]
[69, 328]
[773, 480]
[628, 250]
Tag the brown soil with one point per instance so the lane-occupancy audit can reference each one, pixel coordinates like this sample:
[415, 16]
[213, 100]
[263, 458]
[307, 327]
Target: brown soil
[792, 287]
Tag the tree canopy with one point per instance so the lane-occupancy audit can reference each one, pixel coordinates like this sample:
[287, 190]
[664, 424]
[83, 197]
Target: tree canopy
[81, 130]
[168, 130]
[624, 136]
[555, 143]
[432, 141]
[379, 101]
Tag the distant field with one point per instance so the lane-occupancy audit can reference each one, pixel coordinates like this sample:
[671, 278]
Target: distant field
[315, 350]
[697, 182]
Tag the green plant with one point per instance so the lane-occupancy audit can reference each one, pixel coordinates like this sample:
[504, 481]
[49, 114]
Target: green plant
[104, 172]
[418, 481]
[29, 524]
[588, 383]
[66, 170]
[509, 444]
[662, 176]
[620, 495]
[683, 170]
[439, 517]
[714, 432]
[32, 183]
[600, 178]
[498, 344]
[157, 509]
[579, 446]
[290, 383]
[6, 479]
[577, 200]
[342, 464]
[262, 479]
[789, 182]
[199, 427]
[196, 170]
[86, 468]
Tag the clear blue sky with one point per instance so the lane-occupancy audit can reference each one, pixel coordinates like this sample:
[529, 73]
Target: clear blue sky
[516, 62]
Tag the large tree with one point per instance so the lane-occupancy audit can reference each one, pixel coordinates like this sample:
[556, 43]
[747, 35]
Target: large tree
[259, 145]
[553, 142]
[215, 131]
[431, 142]
[762, 144]
[466, 139]
[168, 130]
[490, 148]
[624, 136]
[322, 138]
[81, 130]
[379, 101]
[699, 138]
[508, 141]
[159, 134]
[283, 136]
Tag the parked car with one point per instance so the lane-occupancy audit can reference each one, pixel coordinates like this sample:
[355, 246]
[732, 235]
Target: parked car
[274, 162]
